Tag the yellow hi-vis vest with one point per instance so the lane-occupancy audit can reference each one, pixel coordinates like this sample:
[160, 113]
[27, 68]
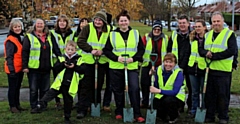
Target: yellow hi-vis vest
[79, 51]
[148, 49]
[175, 44]
[170, 83]
[96, 44]
[74, 82]
[219, 44]
[119, 48]
[59, 40]
[35, 50]
[195, 58]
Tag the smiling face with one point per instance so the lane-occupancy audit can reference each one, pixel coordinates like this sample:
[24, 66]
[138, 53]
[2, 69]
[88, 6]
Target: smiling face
[157, 31]
[39, 25]
[62, 23]
[199, 28]
[183, 25]
[98, 23]
[217, 23]
[169, 64]
[17, 28]
[123, 22]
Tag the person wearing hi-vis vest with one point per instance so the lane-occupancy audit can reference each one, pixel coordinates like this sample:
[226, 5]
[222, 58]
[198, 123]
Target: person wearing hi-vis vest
[37, 61]
[125, 40]
[13, 64]
[169, 89]
[154, 42]
[219, 47]
[179, 45]
[91, 40]
[196, 65]
[61, 34]
[70, 72]
[83, 22]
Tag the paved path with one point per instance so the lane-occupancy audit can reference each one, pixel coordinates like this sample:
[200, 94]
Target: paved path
[24, 96]
[4, 31]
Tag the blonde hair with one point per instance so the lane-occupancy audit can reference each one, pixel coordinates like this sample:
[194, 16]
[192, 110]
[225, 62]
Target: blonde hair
[33, 28]
[15, 22]
[71, 43]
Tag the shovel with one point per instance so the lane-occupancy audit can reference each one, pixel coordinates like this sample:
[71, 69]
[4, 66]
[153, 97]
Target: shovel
[95, 107]
[128, 110]
[201, 112]
[151, 113]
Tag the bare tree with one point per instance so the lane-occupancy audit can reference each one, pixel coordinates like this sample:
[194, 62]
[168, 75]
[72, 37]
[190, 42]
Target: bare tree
[186, 6]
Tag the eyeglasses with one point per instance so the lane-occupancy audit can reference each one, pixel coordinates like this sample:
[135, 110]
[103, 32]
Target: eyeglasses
[157, 29]
[197, 26]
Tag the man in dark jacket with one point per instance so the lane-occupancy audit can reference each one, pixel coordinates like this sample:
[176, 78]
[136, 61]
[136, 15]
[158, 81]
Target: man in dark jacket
[179, 44]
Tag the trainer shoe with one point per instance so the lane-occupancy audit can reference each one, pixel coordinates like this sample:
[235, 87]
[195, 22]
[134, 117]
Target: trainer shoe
[140, 119]
[118, 117]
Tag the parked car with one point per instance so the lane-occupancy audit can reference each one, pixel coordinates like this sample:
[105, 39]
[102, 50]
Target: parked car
[51, 22]
[208, 25]
[192, 24]
[163, 23]
[174, 24]
[76, 21]
[225, 25]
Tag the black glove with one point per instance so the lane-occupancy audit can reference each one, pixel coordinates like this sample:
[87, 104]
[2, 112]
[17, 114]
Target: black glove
[12, 74]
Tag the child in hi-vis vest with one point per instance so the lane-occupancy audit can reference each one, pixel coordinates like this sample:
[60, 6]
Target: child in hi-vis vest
[65, 85]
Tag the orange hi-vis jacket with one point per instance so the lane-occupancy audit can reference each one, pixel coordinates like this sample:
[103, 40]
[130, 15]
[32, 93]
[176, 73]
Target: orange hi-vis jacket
[17, 58]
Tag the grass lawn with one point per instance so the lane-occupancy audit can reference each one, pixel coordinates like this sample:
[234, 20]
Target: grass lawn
[52, 116]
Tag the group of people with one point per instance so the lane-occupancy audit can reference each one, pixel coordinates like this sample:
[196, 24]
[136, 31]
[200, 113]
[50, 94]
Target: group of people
[71, 55]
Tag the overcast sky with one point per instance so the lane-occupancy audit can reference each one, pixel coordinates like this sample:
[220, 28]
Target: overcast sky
[202, 2]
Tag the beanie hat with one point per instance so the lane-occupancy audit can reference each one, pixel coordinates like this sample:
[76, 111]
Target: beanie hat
[157, 23]
[102, 15]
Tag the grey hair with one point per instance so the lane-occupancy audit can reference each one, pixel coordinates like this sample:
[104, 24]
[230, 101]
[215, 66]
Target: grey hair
[217, 13]
[14, 22]
[33, 28]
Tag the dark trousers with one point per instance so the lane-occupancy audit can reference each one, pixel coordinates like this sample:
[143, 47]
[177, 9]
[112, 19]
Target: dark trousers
[57, 99]
[188, 83]
[117, 79]
[108, 90]
[145, 85]
[38, 81]
[87, 86]
[167, 106]
[67, 99]
[217, 97]
[14, 85]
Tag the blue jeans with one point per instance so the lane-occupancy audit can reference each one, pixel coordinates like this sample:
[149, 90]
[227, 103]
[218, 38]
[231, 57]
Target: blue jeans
[197, 83]
[38, 81]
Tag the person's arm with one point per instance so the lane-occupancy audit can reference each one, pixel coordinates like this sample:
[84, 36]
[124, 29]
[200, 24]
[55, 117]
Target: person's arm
[80, 69]
[82, 39]
[10, 51]
[59, 66]
[169, 46]
[230, 51]
[202, 52]
[235, 61]
[156, 78]
[176, 87]
[56, 49]
[140, 51]
[25, 52]
[107, 51]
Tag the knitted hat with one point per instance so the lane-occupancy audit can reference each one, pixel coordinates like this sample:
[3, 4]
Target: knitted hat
[157, 23]
[102, 15]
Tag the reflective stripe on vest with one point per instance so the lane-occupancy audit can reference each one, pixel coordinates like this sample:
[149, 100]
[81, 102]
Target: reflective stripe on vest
[170, 83]
[148, 50]
[175, 44]
[74, 82]
[96, 44]
[35, 51]
[195, 58]
[219, 44]
[119, 48]
[59, 40]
